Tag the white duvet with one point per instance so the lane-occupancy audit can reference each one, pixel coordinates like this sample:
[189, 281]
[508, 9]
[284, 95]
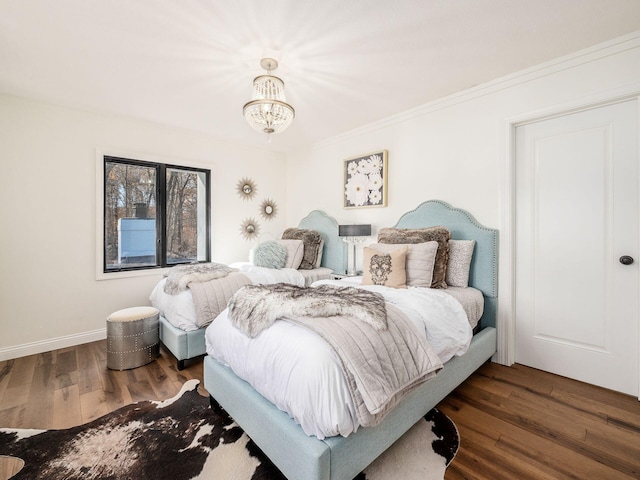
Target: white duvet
[180, 310]
[298, 372]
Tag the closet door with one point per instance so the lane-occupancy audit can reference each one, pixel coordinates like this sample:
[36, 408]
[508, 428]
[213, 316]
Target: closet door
[577, 246]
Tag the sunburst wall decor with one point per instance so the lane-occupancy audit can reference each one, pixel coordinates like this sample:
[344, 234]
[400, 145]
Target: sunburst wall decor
[268, 209]
[246, 188]
[250, 229]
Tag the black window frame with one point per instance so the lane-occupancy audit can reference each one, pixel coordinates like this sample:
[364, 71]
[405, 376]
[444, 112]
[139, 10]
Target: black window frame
[161, 199]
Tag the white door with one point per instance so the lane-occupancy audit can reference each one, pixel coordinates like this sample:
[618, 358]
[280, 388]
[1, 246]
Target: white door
[577, 216]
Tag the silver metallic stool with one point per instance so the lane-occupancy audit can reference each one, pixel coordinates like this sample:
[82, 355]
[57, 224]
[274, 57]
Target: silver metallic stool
[132, 337]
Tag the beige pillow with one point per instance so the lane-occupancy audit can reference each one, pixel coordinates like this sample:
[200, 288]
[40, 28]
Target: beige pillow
[388, 269]
[295, 251]
[420, 260]
[312, 241]
[460, 254]
[421, 235]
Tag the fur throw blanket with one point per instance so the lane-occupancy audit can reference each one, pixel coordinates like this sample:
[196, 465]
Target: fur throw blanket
[179, 277]
[254, 308]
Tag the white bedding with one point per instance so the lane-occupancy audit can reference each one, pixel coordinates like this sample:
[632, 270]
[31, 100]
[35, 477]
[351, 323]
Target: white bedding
[315, 274]
[180, 310]
[299, 373]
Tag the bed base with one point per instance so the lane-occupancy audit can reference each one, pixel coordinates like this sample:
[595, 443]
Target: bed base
[301, 457]
[183, 345]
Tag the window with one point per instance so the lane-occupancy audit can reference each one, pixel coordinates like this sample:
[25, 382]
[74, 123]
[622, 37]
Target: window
[155, 215]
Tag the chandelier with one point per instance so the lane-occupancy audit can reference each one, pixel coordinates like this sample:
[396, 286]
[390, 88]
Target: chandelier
[268, 111]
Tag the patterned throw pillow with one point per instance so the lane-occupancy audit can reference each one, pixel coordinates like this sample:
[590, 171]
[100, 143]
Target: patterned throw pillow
[420, 235]
[420, 261]
[388, 269]
[460, 254]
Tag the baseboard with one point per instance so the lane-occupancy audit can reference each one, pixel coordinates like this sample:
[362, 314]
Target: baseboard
[33, 348]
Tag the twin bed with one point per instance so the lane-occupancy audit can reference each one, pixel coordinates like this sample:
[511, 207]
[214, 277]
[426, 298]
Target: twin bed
[179, 329]
[305, 442]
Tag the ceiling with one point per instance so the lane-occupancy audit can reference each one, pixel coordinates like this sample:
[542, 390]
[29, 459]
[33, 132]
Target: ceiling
[346, 63]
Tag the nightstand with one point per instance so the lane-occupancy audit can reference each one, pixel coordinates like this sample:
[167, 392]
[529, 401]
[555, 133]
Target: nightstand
[340, 276]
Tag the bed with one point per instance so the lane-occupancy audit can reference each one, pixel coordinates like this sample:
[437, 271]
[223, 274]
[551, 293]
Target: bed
[185, 340]
[304, 457]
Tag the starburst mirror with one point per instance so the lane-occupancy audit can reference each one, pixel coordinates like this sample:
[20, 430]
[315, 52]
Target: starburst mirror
[268, 209]
[246, 188]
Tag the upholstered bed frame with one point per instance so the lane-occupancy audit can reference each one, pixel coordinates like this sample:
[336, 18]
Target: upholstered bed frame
[187, 345]
[301, 457]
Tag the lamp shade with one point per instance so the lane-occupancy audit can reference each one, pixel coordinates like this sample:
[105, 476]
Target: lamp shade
[354, 230]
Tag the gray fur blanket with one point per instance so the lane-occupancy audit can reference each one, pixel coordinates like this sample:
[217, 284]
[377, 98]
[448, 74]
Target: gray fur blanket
[180, 276]
[255, 307]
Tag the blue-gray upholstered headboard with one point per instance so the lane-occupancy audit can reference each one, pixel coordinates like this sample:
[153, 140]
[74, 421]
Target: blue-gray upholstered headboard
[462, 225]
[334, 250]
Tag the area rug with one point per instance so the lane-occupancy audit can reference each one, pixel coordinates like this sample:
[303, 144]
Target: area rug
[183, 438]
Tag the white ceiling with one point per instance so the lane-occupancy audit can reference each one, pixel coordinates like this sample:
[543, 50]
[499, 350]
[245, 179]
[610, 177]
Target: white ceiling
[190, 63]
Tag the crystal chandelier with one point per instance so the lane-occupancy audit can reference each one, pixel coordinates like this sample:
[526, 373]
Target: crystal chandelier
[268, 111]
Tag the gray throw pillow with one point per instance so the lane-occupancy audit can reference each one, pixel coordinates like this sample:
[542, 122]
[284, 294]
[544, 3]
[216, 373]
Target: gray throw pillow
[269, 254]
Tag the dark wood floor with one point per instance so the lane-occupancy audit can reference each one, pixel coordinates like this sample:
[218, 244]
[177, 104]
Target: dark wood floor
[520, 423]
[514, 422]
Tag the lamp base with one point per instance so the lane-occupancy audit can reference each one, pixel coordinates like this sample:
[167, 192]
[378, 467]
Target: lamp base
[352, 269]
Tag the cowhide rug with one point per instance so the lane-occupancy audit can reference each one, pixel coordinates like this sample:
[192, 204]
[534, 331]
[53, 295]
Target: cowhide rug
[183, 438]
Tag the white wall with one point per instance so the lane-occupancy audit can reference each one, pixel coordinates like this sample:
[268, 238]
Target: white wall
[49, 295]
[457, 149]
[454, 149]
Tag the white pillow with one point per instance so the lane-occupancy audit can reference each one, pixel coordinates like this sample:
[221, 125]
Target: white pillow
[459, 264]
[421, 258]
[295, 251]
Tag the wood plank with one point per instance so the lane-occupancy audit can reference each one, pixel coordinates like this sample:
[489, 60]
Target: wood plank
[565, 461]
[22, 371]
[14, 397]
[116, 393]
[141, 390]
[160, 381]
[66, 368]
[593, 392]
[555, 447]
[66, 407]
[89, 378]
[93, 405]
[5, 375]
[624, 417]
[39, 407]
[517, 411]
[553, 467]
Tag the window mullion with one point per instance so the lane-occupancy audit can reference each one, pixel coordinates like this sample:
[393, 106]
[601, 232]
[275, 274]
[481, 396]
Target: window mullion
[161, 220]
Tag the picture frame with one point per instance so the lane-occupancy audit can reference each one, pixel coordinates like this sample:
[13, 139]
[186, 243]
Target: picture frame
[365, 180]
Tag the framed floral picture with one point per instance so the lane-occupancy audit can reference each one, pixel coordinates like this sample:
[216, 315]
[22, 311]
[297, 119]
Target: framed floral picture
[365, 180]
